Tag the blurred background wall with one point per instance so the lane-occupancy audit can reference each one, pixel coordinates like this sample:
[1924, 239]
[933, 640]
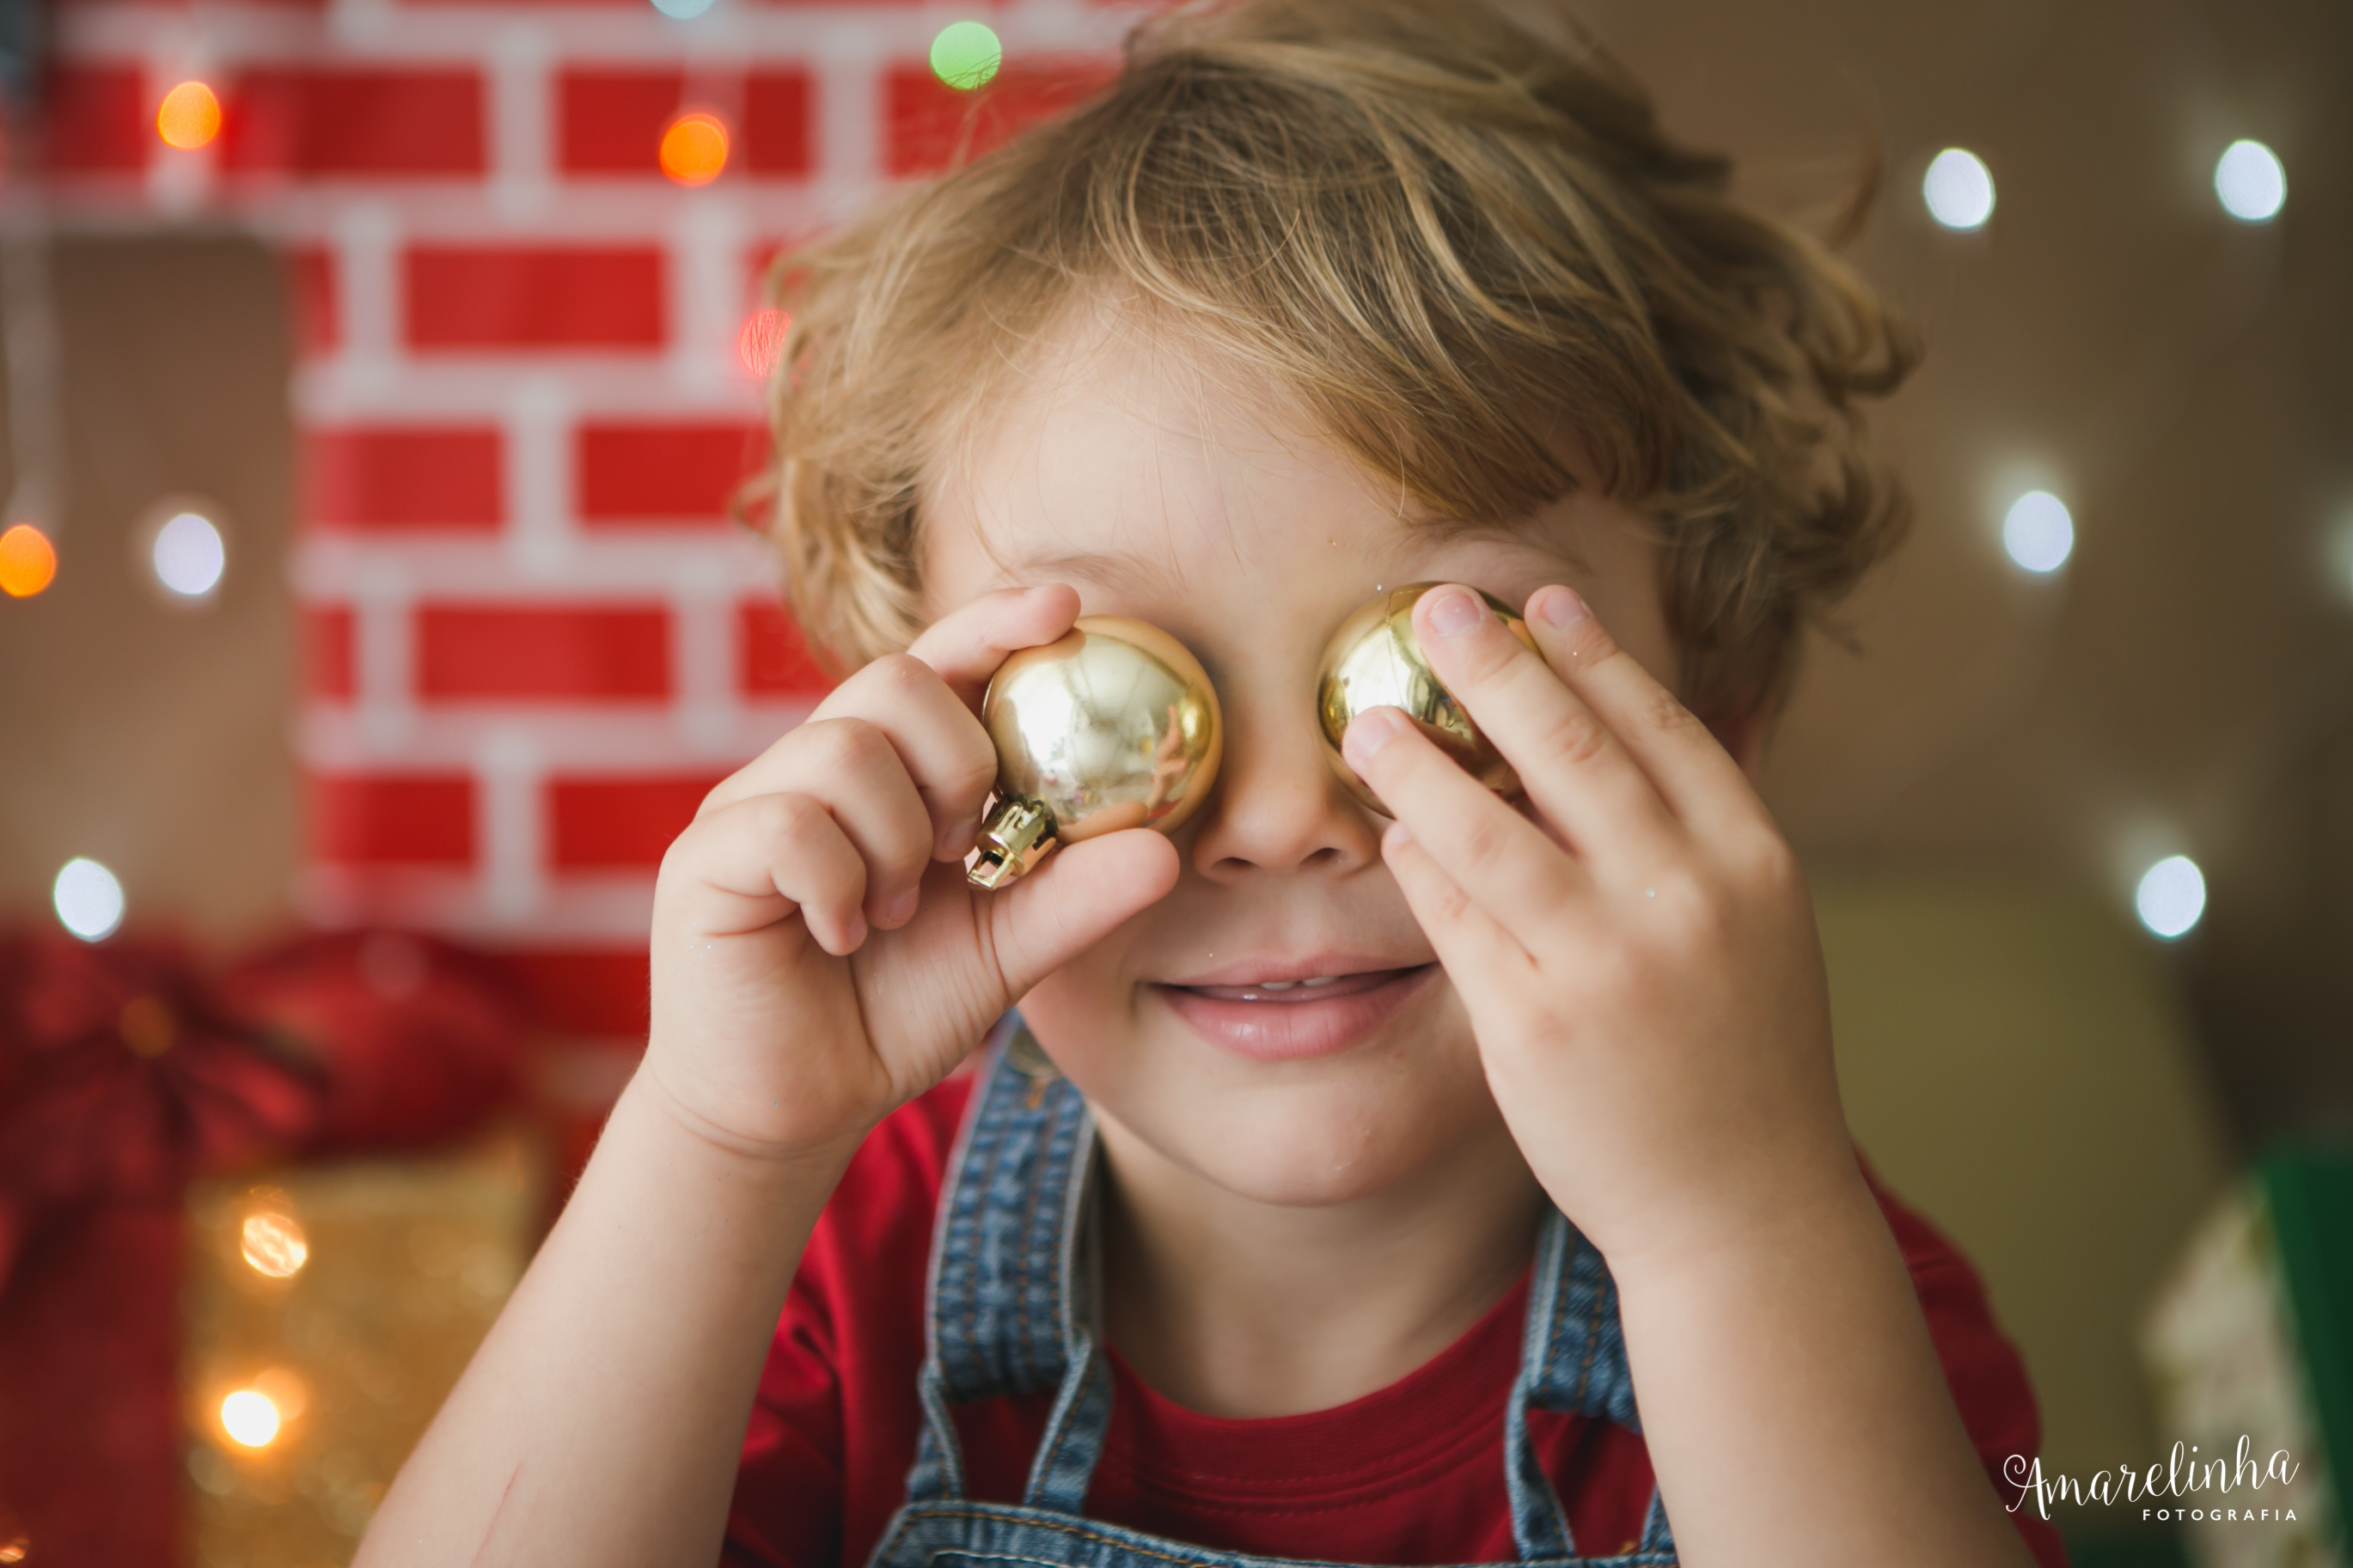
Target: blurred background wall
[426, 478]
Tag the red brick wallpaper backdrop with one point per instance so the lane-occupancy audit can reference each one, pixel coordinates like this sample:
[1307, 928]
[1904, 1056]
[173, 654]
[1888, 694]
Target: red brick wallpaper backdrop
[527, 387]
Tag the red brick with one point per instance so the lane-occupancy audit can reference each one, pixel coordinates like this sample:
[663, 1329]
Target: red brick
[775, 661]
[662, 472]
[403, 819]
[777, 123]
[584, 993]
[611, 121]
[96, 120]
[328, 653]
[595, 822]
[384, 123]
[533, 296]
[930, 125]
[390, 476]
[312, 299]
[532, 651]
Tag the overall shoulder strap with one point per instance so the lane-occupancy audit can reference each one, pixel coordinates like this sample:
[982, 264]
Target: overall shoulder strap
[1574, 1361]
[1010, 1304]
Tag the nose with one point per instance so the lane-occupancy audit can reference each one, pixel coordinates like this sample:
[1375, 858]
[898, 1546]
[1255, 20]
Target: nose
[1278, 806]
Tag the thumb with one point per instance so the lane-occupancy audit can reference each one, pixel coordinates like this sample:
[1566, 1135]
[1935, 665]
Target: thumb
[1076, 899]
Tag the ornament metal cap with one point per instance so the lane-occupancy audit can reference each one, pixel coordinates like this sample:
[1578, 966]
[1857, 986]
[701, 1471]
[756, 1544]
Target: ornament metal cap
[1373, 661]
[1115, 726]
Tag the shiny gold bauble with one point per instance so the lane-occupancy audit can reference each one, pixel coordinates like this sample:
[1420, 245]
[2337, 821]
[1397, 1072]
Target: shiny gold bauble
[1373, 661]
[1114, 726]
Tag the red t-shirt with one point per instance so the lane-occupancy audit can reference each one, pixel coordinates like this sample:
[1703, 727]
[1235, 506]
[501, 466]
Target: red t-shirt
[1410, 1474]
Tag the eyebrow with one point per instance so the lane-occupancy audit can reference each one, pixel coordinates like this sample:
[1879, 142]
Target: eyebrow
[1106, 569]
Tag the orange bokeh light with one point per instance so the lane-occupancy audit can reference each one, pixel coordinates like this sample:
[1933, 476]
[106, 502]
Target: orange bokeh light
[191, 116]
[28, 561]
[694, 149]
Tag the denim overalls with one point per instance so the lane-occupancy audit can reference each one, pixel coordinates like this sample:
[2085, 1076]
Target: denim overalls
[1012, 1310]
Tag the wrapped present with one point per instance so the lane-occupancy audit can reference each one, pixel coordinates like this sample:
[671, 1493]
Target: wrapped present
[327, 1311]
[2250, 1351]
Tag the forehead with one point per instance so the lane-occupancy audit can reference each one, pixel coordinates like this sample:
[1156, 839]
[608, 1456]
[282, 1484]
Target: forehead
[1108, 445]
[1119, 456]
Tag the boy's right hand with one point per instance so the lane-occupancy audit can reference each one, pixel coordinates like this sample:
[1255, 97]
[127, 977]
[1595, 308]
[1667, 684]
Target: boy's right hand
[818, 958]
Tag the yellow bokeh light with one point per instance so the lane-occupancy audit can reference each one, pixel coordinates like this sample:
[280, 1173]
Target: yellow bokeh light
[28, 561]
[15, 1550]
[191, 116]
[694, 149]
[274, 1244]
[249, 1418]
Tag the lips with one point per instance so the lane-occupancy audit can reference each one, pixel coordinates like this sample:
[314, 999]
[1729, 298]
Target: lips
[1287, 1019]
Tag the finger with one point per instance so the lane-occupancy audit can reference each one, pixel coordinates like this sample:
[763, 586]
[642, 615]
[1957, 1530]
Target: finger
[1701, 782]
[1078, 897]
[762, 860]
[1504, 861]
[966, 644]
[938, 743]
[1575, 770]
[1471, 947]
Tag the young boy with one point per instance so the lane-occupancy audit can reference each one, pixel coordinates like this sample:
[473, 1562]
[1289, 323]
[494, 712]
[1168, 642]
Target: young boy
[1463, 1187]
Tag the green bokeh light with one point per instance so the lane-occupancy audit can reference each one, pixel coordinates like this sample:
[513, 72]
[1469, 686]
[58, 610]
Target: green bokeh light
[965, 55]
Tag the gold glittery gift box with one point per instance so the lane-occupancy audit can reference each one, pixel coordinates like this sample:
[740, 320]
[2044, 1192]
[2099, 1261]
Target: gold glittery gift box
[329, 1309]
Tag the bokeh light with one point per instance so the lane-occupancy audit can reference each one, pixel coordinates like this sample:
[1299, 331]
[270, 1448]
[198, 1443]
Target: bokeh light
[2251, 182]
[762, 339]
[249, 1418]
[1958, 189]
[191, 116]
[2171, 896]
[28, 561]
[965, 55]
[2038, 532]
[188, 555]
[273, 1243]
[694, 148]
[87, 898]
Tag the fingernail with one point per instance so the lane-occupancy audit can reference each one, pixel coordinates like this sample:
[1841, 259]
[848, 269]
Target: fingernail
[1559, 607]
[856, 933]
[1399, 836]
[901, 910]
[1453, 611]
[1367, 733]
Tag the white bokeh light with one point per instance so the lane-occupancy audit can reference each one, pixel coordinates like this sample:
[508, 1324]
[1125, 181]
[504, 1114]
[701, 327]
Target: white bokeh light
[188, 555]
[248, 1416]
[1958, 189]
[2171, 896]
[89, 899]
[2251, 182]
[2038, 532]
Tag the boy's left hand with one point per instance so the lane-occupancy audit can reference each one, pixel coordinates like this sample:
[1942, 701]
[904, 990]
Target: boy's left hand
[1640, 960]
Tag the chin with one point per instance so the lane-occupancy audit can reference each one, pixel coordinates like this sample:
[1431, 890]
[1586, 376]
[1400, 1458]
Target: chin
[1309, 1133]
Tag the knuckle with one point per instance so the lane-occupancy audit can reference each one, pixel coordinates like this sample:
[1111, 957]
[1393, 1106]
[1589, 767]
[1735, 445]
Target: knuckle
[783, 818]
[1484, 841]
[850, 745]
[1664, 712]
[1575, 738]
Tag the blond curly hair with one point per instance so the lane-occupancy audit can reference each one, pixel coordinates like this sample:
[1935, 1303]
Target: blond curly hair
[1448, 228]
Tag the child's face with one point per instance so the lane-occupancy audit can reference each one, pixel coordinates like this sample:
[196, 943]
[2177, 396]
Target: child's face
[1207, 507]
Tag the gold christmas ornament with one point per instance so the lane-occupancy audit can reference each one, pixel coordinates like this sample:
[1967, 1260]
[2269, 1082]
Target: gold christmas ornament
[1373, 661]
[1114, 726]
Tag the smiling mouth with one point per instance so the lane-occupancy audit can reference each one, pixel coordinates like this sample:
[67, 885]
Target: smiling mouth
[1320, 988]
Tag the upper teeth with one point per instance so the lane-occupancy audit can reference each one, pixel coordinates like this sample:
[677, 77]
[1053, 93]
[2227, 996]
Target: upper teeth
[1287, 984]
